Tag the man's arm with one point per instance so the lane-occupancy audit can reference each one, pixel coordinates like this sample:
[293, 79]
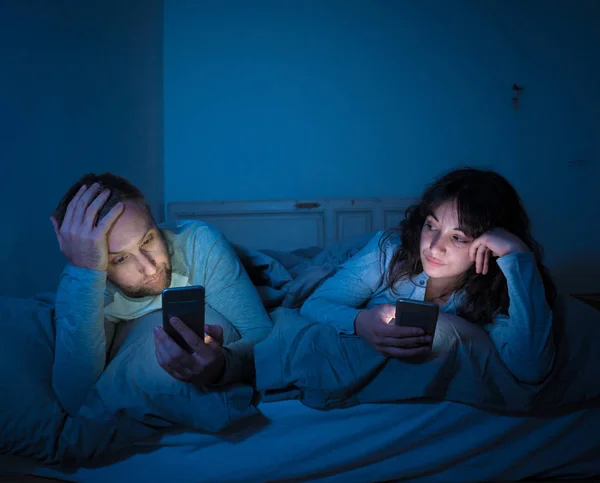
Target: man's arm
[80, 351]
[230, 292]
[81, 341]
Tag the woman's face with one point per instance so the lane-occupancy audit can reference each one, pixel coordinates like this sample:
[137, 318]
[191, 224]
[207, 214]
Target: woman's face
[444, 246]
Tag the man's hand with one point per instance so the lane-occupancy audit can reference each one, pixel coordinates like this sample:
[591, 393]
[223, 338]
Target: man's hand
[81, 237]
[204, 366]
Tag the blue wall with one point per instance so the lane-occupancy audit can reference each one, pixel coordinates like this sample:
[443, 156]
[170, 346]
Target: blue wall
[298, 99]
[271, 99]
[80, 91]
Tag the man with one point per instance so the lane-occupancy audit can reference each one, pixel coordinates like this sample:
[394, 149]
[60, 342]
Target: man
[120, 261]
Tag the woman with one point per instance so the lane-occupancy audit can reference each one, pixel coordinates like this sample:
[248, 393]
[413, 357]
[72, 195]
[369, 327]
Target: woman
[467, 247]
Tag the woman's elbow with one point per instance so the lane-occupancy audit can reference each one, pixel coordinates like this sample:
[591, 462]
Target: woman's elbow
[534, 372]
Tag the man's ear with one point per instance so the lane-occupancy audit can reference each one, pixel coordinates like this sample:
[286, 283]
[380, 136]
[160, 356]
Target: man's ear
[55, 225]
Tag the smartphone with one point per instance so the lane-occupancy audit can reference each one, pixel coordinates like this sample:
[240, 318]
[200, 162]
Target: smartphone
[187, 304]
[416, 313]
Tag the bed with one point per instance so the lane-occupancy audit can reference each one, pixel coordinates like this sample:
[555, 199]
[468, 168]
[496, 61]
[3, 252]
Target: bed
[413, 442]
[286, 441]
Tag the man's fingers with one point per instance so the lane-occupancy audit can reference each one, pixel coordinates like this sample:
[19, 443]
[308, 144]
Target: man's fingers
[170, 362]
[215, 331]
[161, 356]
[91, 212]
[171, 367]
[175, 374]
[404, 342]
[184, 375]
[88, 195]
[165, 345]
[396, 331]
[107, 222]
[188, 334]
[214, 334]
[82, 205]
[164, 358]
[398, 353]
[68, 218]
[174, 351]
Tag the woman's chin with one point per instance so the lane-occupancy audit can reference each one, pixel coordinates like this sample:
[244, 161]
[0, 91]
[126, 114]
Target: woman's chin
[433, 270]
[438, 271]
[433, 273]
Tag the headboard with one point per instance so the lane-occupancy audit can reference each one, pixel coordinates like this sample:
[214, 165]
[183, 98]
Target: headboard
[291, 224]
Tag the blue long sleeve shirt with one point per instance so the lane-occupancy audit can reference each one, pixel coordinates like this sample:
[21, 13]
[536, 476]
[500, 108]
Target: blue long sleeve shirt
[523, 339]
[88, 307]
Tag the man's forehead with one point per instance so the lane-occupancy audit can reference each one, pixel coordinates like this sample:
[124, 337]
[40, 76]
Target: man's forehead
[129, 229]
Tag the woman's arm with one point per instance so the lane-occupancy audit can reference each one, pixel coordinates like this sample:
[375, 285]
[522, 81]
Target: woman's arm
[340, 298]
[524, 338]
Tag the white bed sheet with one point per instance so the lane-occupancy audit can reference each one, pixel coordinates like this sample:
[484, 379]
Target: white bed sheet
[394, 442]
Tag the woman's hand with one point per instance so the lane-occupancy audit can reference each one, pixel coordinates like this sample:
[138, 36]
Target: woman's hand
[202, 367]
[496, 242]
[376, 325]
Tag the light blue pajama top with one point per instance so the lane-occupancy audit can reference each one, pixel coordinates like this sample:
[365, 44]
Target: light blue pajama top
[524, 338]
[88, 306]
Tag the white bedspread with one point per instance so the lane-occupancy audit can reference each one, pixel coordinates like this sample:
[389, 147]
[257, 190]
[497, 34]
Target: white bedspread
[444, 442]
[289, 441]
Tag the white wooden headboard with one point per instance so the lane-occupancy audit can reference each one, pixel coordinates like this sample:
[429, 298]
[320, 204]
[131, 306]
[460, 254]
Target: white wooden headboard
[291, 224]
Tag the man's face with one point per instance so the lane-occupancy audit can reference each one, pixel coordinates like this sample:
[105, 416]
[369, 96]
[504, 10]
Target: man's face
[138, 260]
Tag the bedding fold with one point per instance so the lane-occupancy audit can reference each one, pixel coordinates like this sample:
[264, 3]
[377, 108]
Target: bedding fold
[325, 369]
[313, 362]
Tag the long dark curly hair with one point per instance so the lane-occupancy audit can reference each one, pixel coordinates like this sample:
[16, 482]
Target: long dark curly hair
[484, 200]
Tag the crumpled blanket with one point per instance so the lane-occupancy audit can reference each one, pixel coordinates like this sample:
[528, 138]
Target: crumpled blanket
[287, 279]
[133, 400]
[305, 360]
[312, 362]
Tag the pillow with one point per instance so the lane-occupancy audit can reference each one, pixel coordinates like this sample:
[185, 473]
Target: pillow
[30, 415]
[133, 399]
